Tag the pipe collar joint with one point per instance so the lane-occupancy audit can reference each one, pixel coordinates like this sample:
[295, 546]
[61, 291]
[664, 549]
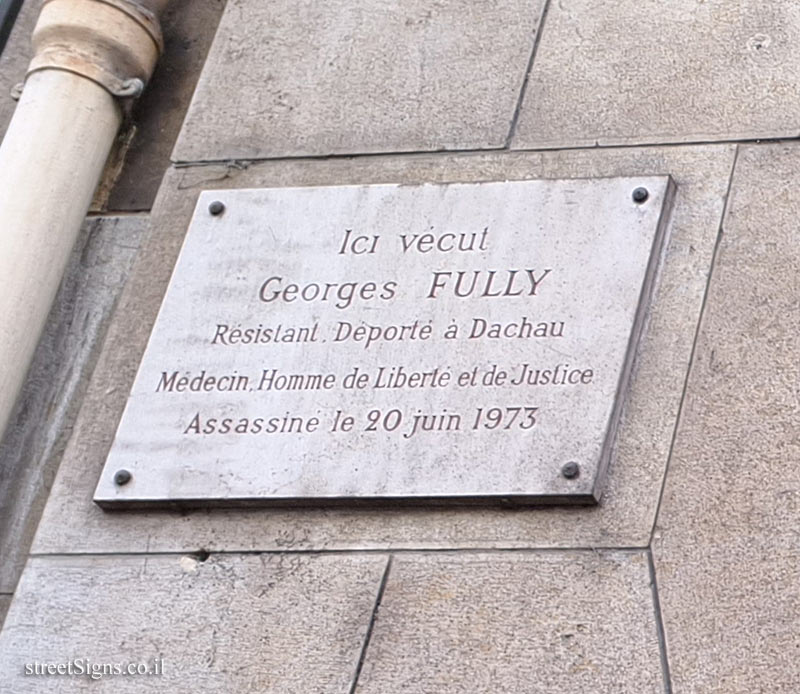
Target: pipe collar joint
[115, 43]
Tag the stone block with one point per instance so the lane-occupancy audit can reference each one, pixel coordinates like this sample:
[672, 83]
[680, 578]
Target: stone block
[540, 623]
[287, 79]
[647, 72]
[269, 623]
[726, 547]
[73, 523]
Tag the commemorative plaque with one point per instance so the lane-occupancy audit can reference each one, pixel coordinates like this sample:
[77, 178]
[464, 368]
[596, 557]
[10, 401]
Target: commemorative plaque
[393, 343]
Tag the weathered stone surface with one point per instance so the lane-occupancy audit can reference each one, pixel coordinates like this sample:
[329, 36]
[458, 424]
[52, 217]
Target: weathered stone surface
[72, 523]
[646, 72]
[271, 623]
[726, 547]
[46, 410]
[188, 28]
[15, 58]
[544, 623]
[308, 78]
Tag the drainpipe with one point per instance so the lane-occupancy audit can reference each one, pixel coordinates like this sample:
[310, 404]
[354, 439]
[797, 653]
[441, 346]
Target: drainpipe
[91, 58]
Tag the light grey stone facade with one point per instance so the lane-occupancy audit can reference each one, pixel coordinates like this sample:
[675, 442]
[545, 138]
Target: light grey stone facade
[683, 580]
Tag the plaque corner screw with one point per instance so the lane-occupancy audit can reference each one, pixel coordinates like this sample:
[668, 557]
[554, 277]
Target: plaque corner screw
[640, 195]
[122, 477]
[571, 471]
[216, 208]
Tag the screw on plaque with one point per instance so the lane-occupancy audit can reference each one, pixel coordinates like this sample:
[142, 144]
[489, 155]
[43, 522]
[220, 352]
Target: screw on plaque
[216, 208]
[571, 471]
[122, 477]
[640, 195]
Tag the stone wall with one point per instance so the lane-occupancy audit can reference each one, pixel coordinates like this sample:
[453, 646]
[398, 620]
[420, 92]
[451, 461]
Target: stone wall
[684, 579]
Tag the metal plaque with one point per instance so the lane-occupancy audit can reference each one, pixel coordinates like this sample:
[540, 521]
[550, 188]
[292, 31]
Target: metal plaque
[416, 343]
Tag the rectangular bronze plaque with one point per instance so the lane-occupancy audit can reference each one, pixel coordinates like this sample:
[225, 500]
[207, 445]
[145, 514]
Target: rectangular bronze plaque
[429, 343]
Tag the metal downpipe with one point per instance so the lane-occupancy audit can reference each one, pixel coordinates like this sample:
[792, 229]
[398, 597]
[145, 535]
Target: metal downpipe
[91, 57]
